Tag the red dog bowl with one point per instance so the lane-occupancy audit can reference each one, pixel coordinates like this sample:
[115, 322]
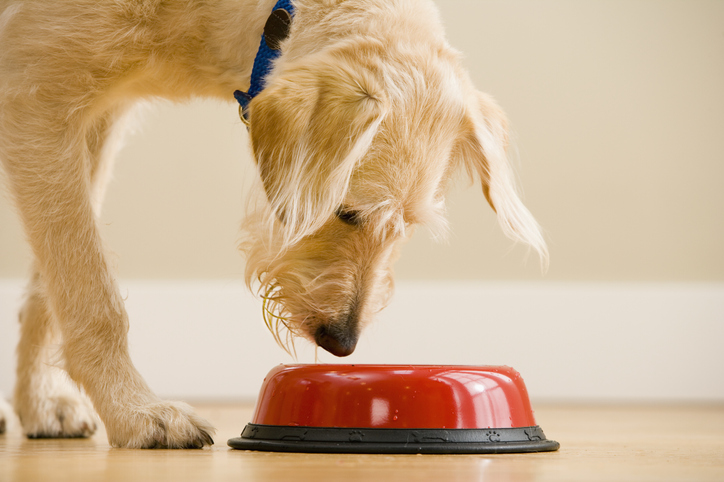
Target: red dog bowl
[393, 409]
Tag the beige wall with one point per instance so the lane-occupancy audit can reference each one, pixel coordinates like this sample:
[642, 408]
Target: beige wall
[618, 107]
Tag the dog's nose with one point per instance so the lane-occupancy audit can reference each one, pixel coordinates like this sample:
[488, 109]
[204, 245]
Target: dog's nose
[338, 342]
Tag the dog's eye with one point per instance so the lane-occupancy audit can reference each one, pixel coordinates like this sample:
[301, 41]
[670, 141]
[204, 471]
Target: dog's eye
[349, 216]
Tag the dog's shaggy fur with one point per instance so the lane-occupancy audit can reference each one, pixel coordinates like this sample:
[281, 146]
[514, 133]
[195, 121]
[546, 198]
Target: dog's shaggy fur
[366, 116]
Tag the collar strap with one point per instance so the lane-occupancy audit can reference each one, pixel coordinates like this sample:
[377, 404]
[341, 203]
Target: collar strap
[276, 30]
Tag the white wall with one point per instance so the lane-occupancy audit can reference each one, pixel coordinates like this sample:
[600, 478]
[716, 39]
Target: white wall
[596, 341]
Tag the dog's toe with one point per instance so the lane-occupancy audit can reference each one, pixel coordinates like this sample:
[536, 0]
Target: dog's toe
[6, 413]
[63, 416]
[165, 425]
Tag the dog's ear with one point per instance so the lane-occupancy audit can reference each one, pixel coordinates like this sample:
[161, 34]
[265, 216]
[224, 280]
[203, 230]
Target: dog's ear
[309, 129]
[483, 151]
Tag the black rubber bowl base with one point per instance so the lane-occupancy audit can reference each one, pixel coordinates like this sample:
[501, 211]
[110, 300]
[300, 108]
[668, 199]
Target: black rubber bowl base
[273, 438]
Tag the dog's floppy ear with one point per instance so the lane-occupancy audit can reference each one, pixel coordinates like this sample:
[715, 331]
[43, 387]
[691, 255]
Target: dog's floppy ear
[483, 150]
[309, 129]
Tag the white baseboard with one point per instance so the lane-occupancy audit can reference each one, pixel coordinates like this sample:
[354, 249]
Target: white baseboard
[572, 342]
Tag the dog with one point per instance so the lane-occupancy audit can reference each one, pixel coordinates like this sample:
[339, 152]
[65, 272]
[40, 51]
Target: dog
[364, 117]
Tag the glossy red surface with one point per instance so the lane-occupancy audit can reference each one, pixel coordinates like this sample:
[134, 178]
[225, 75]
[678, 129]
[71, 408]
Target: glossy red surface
[394, 396]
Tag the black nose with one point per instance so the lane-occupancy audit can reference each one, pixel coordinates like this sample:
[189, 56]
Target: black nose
[338, 342]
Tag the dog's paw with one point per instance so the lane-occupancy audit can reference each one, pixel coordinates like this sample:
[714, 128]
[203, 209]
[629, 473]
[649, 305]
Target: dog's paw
[165, 425]
[59, 416]
[6, 415]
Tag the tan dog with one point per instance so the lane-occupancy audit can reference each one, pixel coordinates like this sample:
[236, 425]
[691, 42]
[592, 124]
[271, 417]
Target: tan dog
[365, 117]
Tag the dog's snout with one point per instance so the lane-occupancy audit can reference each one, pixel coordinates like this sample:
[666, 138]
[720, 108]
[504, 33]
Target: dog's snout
[337, 341]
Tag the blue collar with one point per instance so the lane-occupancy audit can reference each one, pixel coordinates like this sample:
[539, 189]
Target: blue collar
[275, 31]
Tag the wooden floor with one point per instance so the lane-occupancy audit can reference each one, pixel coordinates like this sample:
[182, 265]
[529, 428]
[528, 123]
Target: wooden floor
[622, 443]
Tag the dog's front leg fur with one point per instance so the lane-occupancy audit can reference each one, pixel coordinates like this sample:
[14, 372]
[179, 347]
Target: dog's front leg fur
[50, 177]
[68, 69]
[46, 401]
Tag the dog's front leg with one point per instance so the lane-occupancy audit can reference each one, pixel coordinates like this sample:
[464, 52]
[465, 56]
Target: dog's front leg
[49, 163]
[46, 401]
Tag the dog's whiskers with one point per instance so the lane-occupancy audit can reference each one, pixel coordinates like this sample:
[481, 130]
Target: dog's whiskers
[276, 322]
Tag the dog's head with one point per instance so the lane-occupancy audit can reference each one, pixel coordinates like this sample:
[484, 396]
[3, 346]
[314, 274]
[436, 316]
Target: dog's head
[355, 144]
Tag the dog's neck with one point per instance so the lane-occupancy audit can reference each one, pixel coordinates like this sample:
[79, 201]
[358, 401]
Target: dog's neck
[276, 30]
